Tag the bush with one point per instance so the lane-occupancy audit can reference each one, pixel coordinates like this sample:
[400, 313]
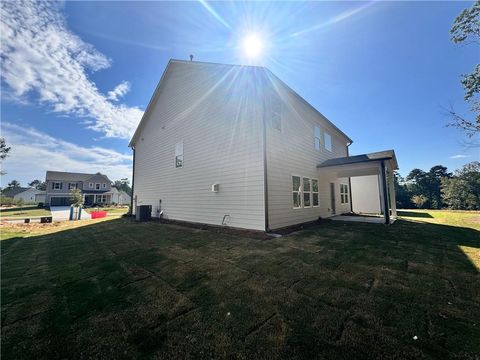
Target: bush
[6, 201]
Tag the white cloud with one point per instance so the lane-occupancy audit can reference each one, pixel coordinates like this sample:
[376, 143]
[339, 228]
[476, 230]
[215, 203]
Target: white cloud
[34, 152]
[41, 56]
[460, 156]
[119, 91]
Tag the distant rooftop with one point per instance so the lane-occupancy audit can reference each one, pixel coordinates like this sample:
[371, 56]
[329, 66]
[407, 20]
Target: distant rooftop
[69, 176]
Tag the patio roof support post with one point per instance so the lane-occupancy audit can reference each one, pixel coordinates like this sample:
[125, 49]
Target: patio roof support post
[383, 176]
[391, 190]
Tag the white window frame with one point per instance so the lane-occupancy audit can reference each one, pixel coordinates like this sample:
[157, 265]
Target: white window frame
[299, 192]
[90, 185]
[315, 192]
[317, 137]
[309, 192]
[178, 155]
[75, 185]
[97, 186]
[344, 196]
[55, 183]
[326, 136]
[104, 185]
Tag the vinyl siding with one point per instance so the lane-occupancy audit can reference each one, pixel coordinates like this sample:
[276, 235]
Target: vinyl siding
[291, 151]
[220, 125]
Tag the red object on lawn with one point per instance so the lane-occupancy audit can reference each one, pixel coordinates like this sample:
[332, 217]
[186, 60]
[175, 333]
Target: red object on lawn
[98, 214]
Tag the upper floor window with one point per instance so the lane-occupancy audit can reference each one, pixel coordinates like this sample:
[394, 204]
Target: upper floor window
[277, 113]
[104, 185]
[56, 185]
[72, 186]
[327, 141]
[90, 185]
[97, 186]
[317, 138]
[344, 193]
[296, 192]
[179, 155]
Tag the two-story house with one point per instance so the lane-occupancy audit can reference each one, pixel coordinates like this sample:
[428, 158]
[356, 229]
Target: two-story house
[235, 146]
[96, 188]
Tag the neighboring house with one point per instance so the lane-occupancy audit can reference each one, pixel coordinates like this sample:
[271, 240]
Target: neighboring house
[234, 145]
[27, 194]
[96, 188]
[120, 197]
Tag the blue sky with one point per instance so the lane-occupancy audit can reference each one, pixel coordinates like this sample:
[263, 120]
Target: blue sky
[77, 76]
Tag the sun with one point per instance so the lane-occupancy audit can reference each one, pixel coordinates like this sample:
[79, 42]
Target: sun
[252, 46]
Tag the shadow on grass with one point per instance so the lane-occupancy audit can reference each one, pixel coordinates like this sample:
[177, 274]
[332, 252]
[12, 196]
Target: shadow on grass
[123, 289]
[414, 214]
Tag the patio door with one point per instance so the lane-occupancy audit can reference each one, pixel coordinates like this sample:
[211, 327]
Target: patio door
[332, 198]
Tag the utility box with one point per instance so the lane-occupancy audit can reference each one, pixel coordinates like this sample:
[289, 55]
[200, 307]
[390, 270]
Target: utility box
[143, 212]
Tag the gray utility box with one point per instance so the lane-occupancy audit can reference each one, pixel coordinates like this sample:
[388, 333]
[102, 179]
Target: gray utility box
[143, 212]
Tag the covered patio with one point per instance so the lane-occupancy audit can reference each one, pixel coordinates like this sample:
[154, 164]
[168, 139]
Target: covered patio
[376, 172]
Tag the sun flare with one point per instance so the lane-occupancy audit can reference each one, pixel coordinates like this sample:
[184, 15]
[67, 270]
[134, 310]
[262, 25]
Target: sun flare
[252, 46]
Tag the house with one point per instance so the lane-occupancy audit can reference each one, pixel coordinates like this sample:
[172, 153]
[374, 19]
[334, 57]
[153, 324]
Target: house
[95, 188]
[235, 146]
[27, 194]
[120, 197]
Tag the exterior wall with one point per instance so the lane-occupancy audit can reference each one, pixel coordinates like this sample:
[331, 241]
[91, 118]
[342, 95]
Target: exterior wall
[28, 195]
[291, 151]
[366, 194]
[220, 125]
[96, 179]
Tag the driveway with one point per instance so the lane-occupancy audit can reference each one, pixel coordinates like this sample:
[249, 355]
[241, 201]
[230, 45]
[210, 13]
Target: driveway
[60, 213]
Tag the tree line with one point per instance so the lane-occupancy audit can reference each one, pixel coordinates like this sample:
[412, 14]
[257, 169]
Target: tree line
[438, 188]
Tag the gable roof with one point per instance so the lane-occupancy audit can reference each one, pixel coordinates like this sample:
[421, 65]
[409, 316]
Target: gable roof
[267, 72]
[375, 156]
[70, 176]
[15, 191]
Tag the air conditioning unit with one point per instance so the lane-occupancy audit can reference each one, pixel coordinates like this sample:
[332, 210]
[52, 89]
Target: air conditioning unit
[215, 187]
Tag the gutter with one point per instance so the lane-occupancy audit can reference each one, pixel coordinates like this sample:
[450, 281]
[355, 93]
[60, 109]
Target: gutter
[265, 180]
[350, 182]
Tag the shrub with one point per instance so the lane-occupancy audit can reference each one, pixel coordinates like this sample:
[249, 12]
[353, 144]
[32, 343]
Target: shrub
[6, 201]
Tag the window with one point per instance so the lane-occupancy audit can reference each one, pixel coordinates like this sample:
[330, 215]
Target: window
[90, 185]
[97, 186]
[56, 185]
[296, 193]
[72, 186]
[104, 185]
[315, 198]
[344, 193]
[277, 113]
[327, 141]
[306, 192]
[179, 155]
[317, 138]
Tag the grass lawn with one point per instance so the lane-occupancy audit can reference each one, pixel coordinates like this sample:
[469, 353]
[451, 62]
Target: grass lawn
[119, 289]
[26, 211]
[110, 210]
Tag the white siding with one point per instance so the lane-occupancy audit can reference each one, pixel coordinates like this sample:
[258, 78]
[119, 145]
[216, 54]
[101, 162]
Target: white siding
[220, 125]
[366, 194]
[291, 151]
[28, 195]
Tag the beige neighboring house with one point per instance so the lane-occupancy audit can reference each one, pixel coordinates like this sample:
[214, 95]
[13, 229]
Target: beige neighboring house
[27, 194]
[235, 146]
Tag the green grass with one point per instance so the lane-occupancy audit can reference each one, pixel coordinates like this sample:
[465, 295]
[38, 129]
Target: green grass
[446, 217]
[110, 210]
[26, 211]
[120, 289]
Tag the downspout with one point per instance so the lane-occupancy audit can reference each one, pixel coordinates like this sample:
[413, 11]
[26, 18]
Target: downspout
[133, 182]
[386, 208]
[350, 182]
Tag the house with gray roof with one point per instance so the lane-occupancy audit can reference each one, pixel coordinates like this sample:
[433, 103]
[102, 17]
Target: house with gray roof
[27, 194]
[233, 145]
[96, 188]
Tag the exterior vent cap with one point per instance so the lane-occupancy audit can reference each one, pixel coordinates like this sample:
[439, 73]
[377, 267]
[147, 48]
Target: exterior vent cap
[215, 187]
